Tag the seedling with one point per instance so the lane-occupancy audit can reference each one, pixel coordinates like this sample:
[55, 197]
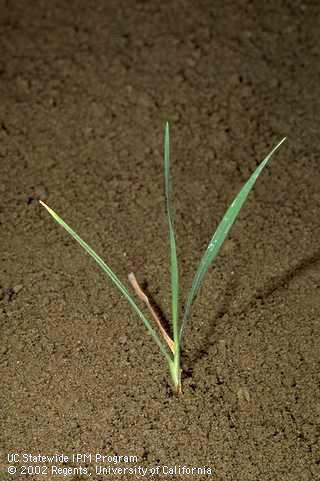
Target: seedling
[170, 343]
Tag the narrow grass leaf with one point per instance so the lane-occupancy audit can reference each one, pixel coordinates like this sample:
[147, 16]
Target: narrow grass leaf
[106, 269]
[173, 251]
[221, 234]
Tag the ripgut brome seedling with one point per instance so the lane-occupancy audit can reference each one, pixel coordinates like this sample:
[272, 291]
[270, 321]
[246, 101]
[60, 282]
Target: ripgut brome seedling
[170, 343]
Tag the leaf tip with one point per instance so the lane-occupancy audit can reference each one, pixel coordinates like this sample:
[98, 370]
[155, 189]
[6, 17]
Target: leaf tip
[51, 212]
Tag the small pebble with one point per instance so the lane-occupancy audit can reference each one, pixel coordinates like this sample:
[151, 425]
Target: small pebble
[243, 394]
[17, 288]
[123, 339]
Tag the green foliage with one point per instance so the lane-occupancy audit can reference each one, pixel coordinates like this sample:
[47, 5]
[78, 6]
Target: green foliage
[171, 349]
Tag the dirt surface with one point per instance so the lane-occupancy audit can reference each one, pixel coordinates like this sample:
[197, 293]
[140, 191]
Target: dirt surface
[85, 89]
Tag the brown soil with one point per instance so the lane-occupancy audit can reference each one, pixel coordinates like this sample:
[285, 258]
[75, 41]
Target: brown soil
[85, 89]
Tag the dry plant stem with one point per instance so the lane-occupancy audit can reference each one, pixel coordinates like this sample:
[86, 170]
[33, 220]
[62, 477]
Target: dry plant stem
[173, 346]
[145, 299]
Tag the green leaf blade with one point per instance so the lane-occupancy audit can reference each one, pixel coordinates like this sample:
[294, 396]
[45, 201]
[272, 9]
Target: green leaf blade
[221, 234]
[173, 251]
[107, 270]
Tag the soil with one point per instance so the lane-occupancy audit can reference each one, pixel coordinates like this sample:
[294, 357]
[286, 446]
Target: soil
[85, 90]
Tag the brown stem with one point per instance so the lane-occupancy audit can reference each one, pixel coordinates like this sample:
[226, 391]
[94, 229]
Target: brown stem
[145, 299]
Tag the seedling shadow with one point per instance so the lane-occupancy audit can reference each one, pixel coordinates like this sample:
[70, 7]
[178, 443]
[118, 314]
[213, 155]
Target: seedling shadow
[189, 359]
[275, 283]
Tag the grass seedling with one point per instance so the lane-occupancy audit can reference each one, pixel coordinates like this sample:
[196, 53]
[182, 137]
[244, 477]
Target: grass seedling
[170, 343]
